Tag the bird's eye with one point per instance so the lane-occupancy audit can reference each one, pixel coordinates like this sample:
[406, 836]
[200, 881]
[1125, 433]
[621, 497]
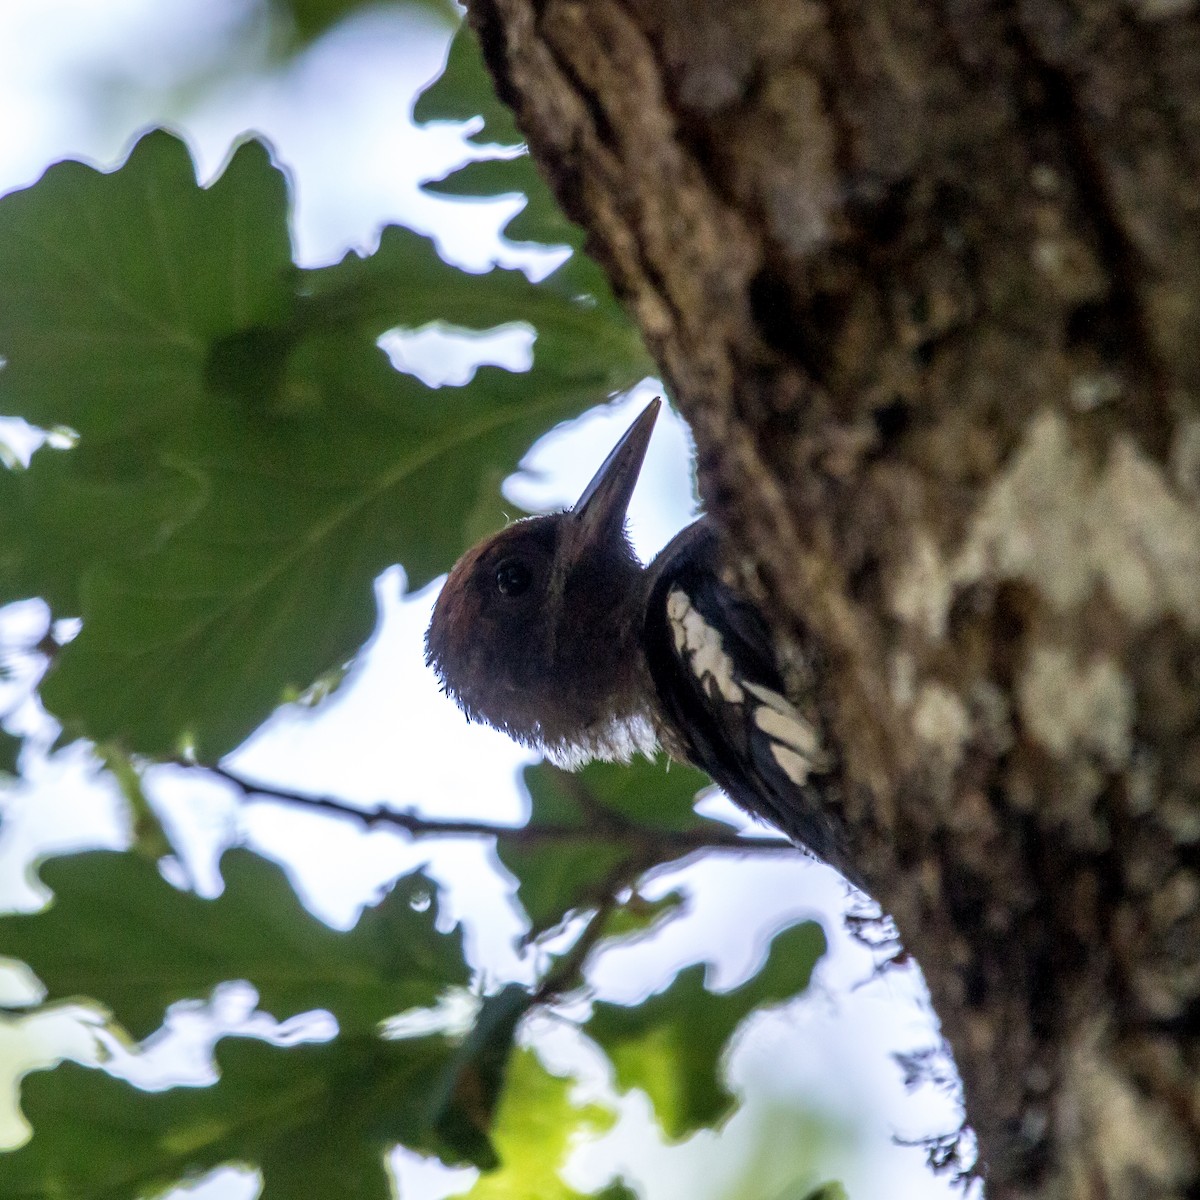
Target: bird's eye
[513, 577]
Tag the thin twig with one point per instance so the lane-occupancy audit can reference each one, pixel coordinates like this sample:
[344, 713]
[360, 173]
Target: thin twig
[670, 840]
[567, 971]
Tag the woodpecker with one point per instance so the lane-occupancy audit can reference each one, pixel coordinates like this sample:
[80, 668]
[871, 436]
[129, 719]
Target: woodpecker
[553, 632]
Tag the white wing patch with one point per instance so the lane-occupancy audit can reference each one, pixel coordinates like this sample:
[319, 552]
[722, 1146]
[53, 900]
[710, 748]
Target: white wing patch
[701, 644]
[795, 766]
[795, 745]
[779, 719]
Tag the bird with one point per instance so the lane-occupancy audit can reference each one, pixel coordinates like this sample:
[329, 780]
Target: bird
[553, 632]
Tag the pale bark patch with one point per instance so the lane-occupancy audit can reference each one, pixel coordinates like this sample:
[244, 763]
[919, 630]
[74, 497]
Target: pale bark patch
[1070, 707]
[1057, 521]
[1126, 1144]
[941, 722]
[1185, 458]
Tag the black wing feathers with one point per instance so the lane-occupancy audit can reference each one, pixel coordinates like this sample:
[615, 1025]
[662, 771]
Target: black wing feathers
[713, 664]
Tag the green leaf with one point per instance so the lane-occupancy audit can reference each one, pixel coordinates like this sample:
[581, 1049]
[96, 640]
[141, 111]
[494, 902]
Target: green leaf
[581, 333]
[10, 749]
[119, 282]
[249, 460]
[670, 1046]
[618, 1190]
[466, 1102]
[618, 810]
[316, 1120]
[485, 177]
[540, 221]
[536, 1126]
[118, 932]
[73, 512]
[310, 19]
[464, 91]
[832, 1190]
[270, 585]
[638, 917]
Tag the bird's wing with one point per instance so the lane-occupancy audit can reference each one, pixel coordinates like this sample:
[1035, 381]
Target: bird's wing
[713, 664]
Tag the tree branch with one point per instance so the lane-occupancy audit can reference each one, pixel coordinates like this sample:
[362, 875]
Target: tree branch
[567, 971]
[666, 841]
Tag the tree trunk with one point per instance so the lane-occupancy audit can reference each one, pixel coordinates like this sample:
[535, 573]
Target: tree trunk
[925, 280]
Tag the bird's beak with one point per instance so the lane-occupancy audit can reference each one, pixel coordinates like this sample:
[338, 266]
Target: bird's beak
[599, 514]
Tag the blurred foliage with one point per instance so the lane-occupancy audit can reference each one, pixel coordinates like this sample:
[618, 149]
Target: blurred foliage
[620, 817]
[239, 461]
[10, 749]
[307, 20]
[117, 931]
[670, 1045]
[463, 93]
[466, 1103]
[316, 1119]
[248, 460]
[534, 1128]
[781, 1157]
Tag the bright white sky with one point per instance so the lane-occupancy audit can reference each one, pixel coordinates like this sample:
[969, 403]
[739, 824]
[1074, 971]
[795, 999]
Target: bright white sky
[338, 119]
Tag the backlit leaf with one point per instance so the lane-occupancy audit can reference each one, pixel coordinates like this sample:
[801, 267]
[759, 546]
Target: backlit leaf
[316, 1120]
[249, 459]
[464, 91]
[535, 1127]
[117, 932]
[620, 812]
[670, 1045]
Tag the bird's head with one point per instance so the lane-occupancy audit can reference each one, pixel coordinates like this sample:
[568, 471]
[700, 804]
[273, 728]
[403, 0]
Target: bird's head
[536, 629]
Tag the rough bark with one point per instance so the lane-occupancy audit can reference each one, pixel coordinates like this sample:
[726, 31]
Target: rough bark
[925, 280]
